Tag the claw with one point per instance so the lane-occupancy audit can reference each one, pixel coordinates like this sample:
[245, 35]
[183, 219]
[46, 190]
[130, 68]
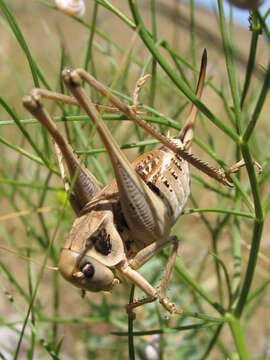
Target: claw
[166, 302]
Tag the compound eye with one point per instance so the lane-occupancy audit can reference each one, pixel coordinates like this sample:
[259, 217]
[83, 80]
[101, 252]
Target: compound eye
[88, 270]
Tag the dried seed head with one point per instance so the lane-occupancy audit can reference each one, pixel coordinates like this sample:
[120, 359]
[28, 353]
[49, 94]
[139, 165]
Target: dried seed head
[246, 4]
[71, 7]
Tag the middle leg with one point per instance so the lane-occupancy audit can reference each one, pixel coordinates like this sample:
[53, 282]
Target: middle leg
[163, 287]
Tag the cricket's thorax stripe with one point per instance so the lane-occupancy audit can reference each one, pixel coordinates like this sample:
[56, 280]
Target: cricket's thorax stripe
[167, 175]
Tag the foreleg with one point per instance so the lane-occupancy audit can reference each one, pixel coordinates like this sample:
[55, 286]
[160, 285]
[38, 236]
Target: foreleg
[152, 294]
[85, 184]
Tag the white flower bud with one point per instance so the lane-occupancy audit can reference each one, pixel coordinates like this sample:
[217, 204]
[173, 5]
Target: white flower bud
[247, 4]
[71, 7]
[152, 351]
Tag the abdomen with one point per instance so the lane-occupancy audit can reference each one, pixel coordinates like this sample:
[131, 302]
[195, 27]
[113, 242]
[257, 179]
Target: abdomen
[167, 175]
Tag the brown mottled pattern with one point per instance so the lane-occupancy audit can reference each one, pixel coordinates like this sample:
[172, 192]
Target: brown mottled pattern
[168, 176]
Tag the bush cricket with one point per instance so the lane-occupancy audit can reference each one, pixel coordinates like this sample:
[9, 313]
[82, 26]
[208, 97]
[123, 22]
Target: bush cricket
[122, 226]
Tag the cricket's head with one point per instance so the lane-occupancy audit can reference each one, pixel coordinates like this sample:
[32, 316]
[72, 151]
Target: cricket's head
[92, 248]
[85, 272]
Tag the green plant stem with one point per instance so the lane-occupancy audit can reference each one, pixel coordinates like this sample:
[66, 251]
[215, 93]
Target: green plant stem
[35, 290]
[237, 253]
[181, 85]
[212, 342]
[184, 275]
[88, 56]
[21, 151]
[202, 215]
[257, 231]
[266, 206]
[192, 35]
[166, 330]
[20, 39]
[202, 316]
[263, 24]
[131, 315]
[25, 134]
[118, 13]
[259, 105]
[227, 278]
[238, 337]
[177, 56]
[229, 55]
[154, 62]
[252, 54]
[12, 280]
[178, 66]
[31, 185]
[221, 211]
[33, 311]
[252, 261]
[258, 291]
[209, 186]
